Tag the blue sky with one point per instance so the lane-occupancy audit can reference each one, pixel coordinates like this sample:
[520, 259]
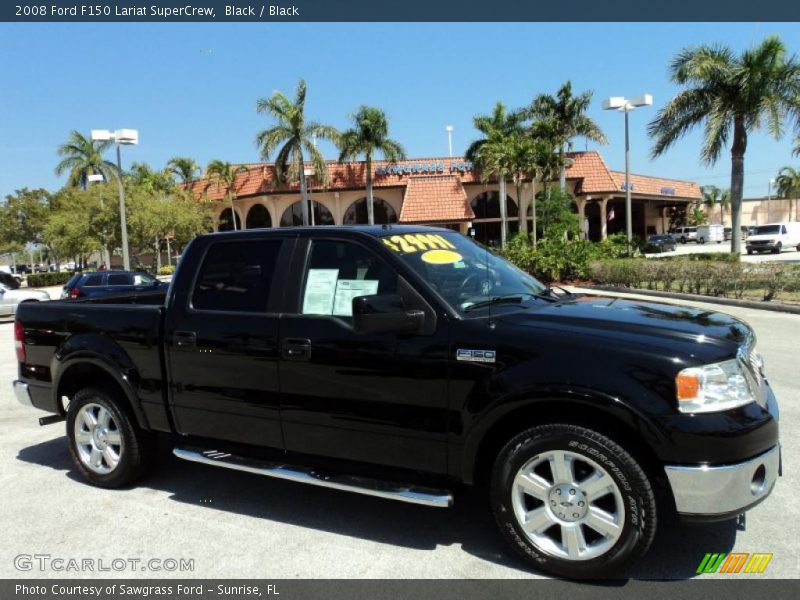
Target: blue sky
[191, 89]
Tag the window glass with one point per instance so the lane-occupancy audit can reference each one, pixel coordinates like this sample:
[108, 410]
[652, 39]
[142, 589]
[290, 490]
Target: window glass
[236, 276]
[337, 272]
[143, 279]
[93, 280]
[119, 279]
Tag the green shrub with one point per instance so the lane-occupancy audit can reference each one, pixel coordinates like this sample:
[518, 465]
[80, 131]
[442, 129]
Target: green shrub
[166, 270]
[704, 256]
[47, 279]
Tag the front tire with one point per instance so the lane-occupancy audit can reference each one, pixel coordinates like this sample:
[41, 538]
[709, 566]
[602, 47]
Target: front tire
[572, 502]
[107, 446]
[777, 249]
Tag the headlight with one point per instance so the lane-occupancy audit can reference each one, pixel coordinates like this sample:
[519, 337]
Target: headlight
[713, 388]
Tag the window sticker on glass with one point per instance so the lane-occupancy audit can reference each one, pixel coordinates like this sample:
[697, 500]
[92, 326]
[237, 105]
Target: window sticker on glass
[320, 291]
[347, 289]
[416, 242]
[441, 257]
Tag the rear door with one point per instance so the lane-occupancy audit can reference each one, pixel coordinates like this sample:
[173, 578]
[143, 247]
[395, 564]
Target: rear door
[221, 336]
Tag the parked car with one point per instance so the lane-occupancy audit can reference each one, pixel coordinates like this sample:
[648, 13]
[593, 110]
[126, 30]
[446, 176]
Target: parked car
[108, 283]
[10, 299]
[774, 237]
[685, 234]
[710, 233]
[403, 362]
[662, 242]
[10, 281]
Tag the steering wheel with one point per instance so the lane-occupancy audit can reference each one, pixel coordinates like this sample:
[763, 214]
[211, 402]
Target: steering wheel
[478, 282]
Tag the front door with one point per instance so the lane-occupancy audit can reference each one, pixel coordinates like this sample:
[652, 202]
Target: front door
[377, 398]
[222, 343]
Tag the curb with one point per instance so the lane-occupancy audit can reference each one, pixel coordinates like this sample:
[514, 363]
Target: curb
[768, 306]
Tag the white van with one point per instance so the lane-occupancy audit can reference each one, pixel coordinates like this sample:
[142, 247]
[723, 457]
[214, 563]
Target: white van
[774, 237]
[684, 234]
[710, 233]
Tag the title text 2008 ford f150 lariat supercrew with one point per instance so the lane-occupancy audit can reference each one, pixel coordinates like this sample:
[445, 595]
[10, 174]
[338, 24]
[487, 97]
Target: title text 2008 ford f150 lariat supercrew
[401, 361]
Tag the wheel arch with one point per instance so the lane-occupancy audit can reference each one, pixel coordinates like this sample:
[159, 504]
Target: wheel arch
[86, 372]
[630, 432]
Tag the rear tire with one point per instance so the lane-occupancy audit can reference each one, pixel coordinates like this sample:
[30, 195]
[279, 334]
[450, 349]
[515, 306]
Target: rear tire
[572, 502]
[107, 445]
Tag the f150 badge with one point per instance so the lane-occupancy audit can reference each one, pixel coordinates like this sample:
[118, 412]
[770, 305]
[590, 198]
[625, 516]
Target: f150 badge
[483, 356]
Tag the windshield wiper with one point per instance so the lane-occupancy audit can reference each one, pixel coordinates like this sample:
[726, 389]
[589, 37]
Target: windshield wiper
[507, 299]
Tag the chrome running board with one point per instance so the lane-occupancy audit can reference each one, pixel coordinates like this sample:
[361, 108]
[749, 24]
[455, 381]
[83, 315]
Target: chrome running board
[348, 483]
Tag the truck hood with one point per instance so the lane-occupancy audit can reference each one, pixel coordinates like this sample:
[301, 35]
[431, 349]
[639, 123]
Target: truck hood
[661, 324]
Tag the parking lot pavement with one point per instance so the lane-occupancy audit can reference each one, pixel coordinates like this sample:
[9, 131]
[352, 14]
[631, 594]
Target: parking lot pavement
[240, 525]
[787, 256]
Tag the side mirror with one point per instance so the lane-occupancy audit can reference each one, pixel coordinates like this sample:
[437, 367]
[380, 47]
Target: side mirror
[385, 313]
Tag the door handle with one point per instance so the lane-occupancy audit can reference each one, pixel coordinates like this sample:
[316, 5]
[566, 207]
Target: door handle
[184, 339]
[296, 348]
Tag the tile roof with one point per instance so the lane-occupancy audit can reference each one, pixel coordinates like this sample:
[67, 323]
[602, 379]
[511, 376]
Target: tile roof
[435, 199]
[588, 169]
[658, 186]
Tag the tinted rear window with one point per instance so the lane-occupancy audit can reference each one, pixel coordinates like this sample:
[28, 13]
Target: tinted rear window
[93, 280]
[236, 276]
[119, 279]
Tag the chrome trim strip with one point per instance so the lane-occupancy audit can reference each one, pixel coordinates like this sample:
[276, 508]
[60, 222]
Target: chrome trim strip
[23, 393]
[348, 483]
[707, 490]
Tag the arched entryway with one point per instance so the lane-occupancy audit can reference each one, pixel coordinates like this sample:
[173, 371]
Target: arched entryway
[383, 212]
[486, 207]
[258, 217]
[225, 222]
[293, 216]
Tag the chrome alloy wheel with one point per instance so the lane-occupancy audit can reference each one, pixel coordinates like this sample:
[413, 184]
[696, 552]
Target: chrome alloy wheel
[568, 505]
[97, 439]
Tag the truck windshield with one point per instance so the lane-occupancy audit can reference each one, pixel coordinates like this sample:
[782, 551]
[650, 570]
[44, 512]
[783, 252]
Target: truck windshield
[766, 230]
[464, 273]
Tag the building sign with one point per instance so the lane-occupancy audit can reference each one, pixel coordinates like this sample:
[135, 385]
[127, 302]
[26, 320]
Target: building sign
[623, 187]
[425, 168]
[668, 191]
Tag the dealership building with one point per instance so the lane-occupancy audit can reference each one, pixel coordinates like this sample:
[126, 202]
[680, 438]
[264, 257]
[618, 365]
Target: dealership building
[446, 192]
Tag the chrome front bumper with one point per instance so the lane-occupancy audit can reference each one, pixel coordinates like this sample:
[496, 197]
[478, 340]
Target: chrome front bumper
[23, 393]
[725, 489]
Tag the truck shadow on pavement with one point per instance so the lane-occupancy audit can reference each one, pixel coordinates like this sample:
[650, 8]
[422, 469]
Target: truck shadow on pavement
[675, 554]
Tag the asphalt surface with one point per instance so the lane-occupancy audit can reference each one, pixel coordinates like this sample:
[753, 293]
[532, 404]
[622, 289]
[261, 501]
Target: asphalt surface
[241, 525]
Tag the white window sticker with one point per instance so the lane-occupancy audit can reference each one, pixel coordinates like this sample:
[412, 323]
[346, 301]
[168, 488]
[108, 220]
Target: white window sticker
[320, 291]
[347, 289]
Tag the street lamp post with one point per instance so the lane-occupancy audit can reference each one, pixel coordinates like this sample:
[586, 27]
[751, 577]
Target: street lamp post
[627, 105]
[120, 137]
[449, 130]
[105, 256]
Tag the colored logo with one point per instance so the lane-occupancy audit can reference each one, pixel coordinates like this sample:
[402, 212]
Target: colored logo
[734, 562]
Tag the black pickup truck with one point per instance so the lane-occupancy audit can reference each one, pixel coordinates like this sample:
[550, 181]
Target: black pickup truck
[402, 362]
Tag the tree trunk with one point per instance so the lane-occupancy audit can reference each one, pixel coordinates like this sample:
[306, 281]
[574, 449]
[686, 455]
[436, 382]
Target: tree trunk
[562, 176]
[233, 213]
[503, 212]
[737, 182]
[521, 214]
[158, 255]
[370, 204]
[303, 193]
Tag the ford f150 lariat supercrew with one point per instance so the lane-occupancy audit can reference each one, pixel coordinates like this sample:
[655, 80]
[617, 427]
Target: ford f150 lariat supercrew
[402, 362]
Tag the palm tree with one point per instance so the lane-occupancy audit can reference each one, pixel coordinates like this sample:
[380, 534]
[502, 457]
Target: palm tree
[712, 196]
[154, 182]
[83, 157]
[732, 96]
[296, 137]
[183, 167]
[788, 182]
[492, 153]
[225, 173]
[567, 116]
[369, 134]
